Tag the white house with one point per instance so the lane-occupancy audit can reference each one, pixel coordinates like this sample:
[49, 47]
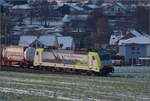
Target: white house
[66, 42]
[136, 50]
[27, 40]
[55, 40]
[116, 9]
[48, 41]
[114, 39]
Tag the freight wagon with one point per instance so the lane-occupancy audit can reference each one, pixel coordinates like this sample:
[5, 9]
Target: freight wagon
[15, 55]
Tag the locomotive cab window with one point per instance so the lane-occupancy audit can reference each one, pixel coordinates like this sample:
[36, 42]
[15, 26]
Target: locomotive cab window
[93, 57]
[37, 53]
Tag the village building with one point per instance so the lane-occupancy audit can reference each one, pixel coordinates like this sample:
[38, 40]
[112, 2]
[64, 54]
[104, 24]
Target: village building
[136, 50]
[52, 41]
[114, 9]
[70, 8]
[66, 42]
[27, 40]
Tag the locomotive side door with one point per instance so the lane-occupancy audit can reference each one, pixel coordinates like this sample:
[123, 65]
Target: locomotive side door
[94, 62]
[38, 57]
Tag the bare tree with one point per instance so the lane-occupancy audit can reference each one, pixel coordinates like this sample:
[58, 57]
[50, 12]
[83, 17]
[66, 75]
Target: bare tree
[142, 18]
[98, 26]
[40, 9]
[6, 26]
[44, 12]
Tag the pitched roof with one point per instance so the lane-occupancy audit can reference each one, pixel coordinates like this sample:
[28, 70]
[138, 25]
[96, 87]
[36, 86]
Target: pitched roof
[106, 5]
[131, 34]
[114, 39]
[48, 40]
[121, 5]
[74, 6]
[26, 40]
[92, 6]
[136, 40]
[68, 18]
[25, 6]
[135, 33]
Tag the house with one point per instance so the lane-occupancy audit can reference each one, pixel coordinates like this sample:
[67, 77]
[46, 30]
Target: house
[114, 39]
[66, 42]
[70, 8]
[27, 40]
[131, 34]
[18, 10]
[135, 50]
[117, 36]
[47, 41]
[90, 7]
[115, 9]
[134, 33]
[54, 40]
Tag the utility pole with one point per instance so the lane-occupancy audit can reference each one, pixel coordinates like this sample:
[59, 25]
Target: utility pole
[149, 20]
[0, 32]
[5, 32]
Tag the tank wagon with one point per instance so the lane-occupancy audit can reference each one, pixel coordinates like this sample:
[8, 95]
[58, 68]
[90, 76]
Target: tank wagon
[54, 60]
[14, 55]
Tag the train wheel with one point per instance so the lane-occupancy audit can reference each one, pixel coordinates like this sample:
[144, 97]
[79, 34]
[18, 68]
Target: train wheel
[90, 73]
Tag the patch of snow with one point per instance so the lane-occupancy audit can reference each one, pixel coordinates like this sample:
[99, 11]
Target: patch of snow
[134, 32]
[48, 40]
[74, 6]
[121, 5]
[92, 6]
[135, 40]
[66, 41]
[66, 18]
[26, 40]
[25, 6]
[114, 39]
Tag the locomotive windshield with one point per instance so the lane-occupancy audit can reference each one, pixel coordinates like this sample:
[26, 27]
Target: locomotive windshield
[106, 59]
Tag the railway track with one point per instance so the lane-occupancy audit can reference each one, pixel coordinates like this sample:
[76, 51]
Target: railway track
[43, 70]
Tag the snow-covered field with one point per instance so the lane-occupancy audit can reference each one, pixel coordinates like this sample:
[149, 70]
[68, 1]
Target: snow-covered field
[132, 71]
[60, 87]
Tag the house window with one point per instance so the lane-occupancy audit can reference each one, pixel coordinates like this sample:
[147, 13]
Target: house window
[135, 50]
[134, 61]
[119, 10]
[37, 53]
